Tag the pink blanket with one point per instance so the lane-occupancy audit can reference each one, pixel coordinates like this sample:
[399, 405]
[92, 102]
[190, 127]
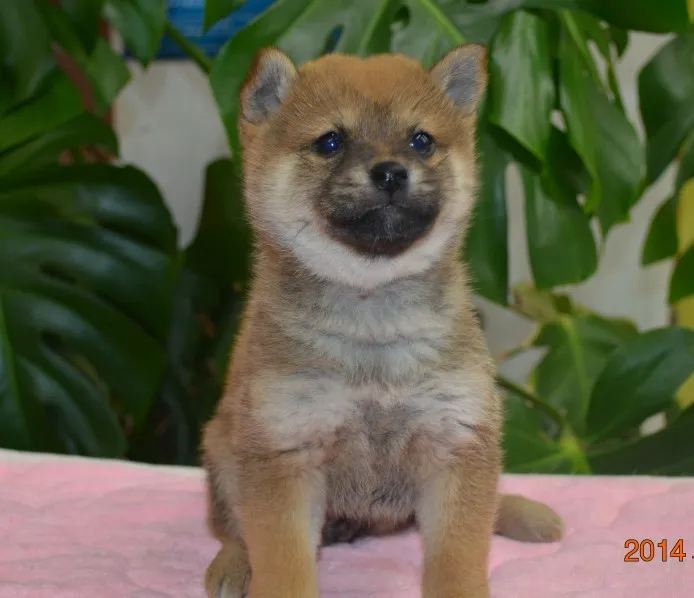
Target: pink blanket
[74, 528]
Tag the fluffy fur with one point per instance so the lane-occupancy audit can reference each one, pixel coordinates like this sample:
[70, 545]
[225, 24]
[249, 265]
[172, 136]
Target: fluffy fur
[360, 397]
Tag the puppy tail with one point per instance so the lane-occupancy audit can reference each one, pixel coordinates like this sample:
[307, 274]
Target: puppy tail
[526, 520]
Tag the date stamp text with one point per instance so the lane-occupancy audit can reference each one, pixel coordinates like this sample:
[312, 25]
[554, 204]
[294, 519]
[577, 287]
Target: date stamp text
[652, 550]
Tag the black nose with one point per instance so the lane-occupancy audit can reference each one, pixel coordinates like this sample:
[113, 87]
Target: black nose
[389, 176]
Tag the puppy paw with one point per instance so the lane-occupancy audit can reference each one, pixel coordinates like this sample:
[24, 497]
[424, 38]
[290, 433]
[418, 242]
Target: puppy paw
[228, 574]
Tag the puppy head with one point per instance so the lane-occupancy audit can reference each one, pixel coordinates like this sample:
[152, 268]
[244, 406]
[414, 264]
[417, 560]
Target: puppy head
[363, 168]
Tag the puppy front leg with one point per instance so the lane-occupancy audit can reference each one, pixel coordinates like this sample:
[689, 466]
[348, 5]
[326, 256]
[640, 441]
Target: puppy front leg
[281, 515]
[456, 515]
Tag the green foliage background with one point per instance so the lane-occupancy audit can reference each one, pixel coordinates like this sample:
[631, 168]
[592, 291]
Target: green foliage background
[114, 339]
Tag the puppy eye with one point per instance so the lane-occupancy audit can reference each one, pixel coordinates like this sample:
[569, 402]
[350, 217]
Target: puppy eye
[423, 143]
[328, 144]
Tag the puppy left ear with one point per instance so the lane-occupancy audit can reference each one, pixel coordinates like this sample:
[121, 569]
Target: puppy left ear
[267, 85]
[462, 74]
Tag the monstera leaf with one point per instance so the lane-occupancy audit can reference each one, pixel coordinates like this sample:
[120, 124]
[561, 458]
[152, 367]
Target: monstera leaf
[87, 264]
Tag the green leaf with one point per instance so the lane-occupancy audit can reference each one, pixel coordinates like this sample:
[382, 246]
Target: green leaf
[577, 26]
[578, 347]
[83, 130]
[62, 31]
[85, 16]
[566, 164]
[87, 265]
[667, 452]
[236, 57]
[682, 280]
[216, 10]
[108, 74]
[561, 245]
[521, 66]
[642, 15]
[527, 447]
[685, 172]
[605, 140]
[60, 103]
[639, 15]
[26, 58]
[429, 32]
[639, 380]
[666, 99]
[105, 69]
[486, 247]
[361, 28]
[661, 242]
[221, 248]
[141, 23]
[620, 38]
[434, 27]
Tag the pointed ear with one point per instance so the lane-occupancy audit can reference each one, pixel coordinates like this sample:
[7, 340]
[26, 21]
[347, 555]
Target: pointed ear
[267, 85]
[462, 74]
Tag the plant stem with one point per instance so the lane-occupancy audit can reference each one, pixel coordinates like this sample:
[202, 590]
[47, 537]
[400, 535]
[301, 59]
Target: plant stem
[537, 402]
[193, 51]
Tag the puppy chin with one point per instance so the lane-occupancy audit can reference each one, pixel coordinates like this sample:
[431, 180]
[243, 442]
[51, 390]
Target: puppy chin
[387, 231]
[331, 259]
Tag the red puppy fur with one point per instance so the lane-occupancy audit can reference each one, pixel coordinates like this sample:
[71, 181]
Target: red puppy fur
[361, 395]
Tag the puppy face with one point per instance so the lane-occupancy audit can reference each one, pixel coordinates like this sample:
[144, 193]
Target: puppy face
[363, 168]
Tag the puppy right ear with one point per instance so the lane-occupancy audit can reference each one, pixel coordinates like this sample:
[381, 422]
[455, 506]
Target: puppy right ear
[267, 85]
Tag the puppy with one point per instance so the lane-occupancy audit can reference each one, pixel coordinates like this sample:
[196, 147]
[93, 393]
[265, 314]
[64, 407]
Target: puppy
[361, 395]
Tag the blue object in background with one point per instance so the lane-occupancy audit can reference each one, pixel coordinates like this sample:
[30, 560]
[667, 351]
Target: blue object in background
[188, 16]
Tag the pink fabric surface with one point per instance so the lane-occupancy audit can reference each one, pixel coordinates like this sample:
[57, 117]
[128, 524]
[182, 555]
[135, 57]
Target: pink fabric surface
[74, 528]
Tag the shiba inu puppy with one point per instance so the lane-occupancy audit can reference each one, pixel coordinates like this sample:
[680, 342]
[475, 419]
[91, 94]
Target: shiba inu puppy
[361, 396]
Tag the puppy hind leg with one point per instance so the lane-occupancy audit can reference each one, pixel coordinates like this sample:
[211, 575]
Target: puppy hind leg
[526, 520]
